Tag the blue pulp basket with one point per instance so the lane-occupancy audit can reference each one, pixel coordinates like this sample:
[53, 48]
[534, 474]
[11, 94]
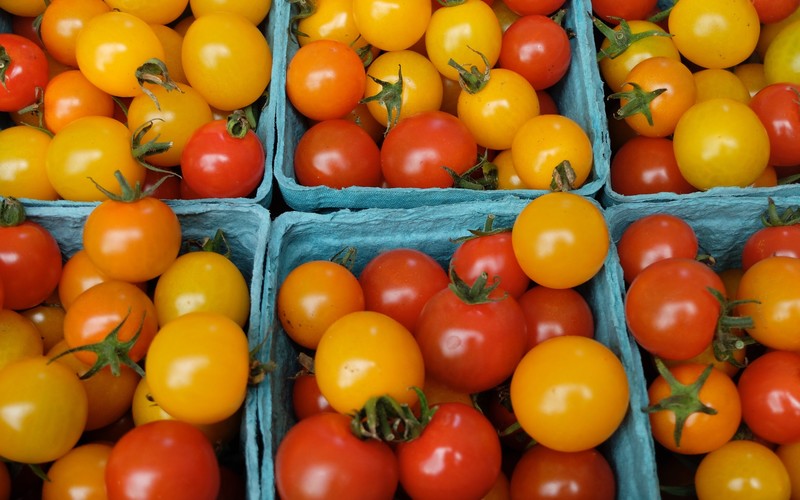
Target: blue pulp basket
[298, 237]
[246, 228]
[579, 96]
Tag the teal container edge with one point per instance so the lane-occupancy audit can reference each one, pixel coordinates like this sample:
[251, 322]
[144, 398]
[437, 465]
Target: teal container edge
[298, 237]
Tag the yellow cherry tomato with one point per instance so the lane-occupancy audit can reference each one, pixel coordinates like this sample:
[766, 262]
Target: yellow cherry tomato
[713, 83]
[782, 60]
[331, 20]
[19, 337]
[151, 11]
[172, 42]
[507, 177]
[752, 76]
[392, 24]
[23, 153]
[741, 469]
[254, 11]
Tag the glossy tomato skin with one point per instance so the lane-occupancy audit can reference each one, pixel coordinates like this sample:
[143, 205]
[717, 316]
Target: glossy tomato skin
[320, 457]
[544, 473]
[465, 447]
[742, 470]
[471, 347]
[553, 312]
[770, 390]
[608, 10]
[23, 155]
[398, 283]
[653, 238]
[337, 153]
[69, 96]
[78, 474]
[30, 264]
[492, 254]
[537, 48]
[415, 150]
[167, 459]
[777, 240]
[778, 109]
[647, 165]
[307, 400]
[217, 165]
[669, 300]
[27, 70]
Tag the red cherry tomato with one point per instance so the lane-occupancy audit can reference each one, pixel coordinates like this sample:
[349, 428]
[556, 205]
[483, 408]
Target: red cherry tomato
[24, 69]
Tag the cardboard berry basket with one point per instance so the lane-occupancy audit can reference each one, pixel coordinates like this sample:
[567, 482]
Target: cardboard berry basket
[298, 237]
[265, 130]
[246, 228]
[578, 96]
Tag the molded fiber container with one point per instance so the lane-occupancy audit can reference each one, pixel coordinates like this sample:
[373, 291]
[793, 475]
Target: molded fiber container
[298, 237]
[265, 131]
[246, 229]
[579, 96]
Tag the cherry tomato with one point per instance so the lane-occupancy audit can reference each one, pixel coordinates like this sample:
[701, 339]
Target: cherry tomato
[167, 458]
[712, 83]
[720, 142]
[774, 11]
[533, 7]
[23, 156]
[553, 312]
[545, 473]
[543, 143]
[391, 24]
[465, 447]
[23, 7]
[198, 367]
[716, 33]
[507, 177]
[418, 147]
[782, 56]
[152, 12]
[668, 300]
[69, 96]
[570, 393]
[241, 66]
[320, 456]
[652, 238]
[307, 399]
[773, 301]
[770, 388]
[325, 79]
[61, 22]
[172, 42]
[314, 295]
[398, 282]
[608, 10]
[25, 69]
[752, 75]
[55, 409]
[647, 165]
[790, 456]
[560, 239]
[337, 153]
[30, 260]
[255, 12]
[741, 469]
[19, 337]
[782, 241]
[132, 241]
[537, 48]
[366, 354]
[78, 474]
[78, 275]
[48, 317]
[778, 108]
[331, 20]
[701, 432]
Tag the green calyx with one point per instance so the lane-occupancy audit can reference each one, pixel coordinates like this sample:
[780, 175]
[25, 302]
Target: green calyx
[487, 230]
[473, 80]
[726, 341]
[480, 177]
[564, 176]
[5, 63]
[155, 71]
[384, 419]
[110, 351]
[477, 293]
[637, 101]
[128, 193]
[621, 39]
[240, 122]
[772, 218]
[345, 257]
[12, 212]
[305, 9]
[684, 400]
[390, 97]
[450, 3]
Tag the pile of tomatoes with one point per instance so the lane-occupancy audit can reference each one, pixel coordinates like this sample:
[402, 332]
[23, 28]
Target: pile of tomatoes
[684, 81]
[169, 91]
[467, 321]
[429, 94]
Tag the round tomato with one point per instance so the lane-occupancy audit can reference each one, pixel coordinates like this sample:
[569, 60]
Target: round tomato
[337, 153]
[255, 12]
[720, 142]
[553, 312]
[770, 390]
[560, 239]
[314, 295]
[652, 238]
[741, 469]
[30, 258]
[538, 49]
[23, 156]
[534, 7]
[544, 143]
[715, 33]
[167, 459]
[241, 66]
[782, 58]
[331, 20]
[202, 281]
[80, 274]
[366, 354]
[78, 474]
[132, 241]
[778, 108]
[23, 7]
[398, 283]
[686, 425]
[545, 473]
[773, 11]
[325, 79]
[417, 149]
[69, 96]
[670, 299]
[772, 294]
[790, 456]
[307, 400]
[647, 165]
[19, 337]
[61, 23]
[48, 317]
[55, 409]
[471, 336]
[391, 24]
[152, 11]
[783, 241]
[612, 10]
[465, 447]
[716, 82]
[24, 69]
[198, 367]
[570, 393]
[321, 457]
[507, 177]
